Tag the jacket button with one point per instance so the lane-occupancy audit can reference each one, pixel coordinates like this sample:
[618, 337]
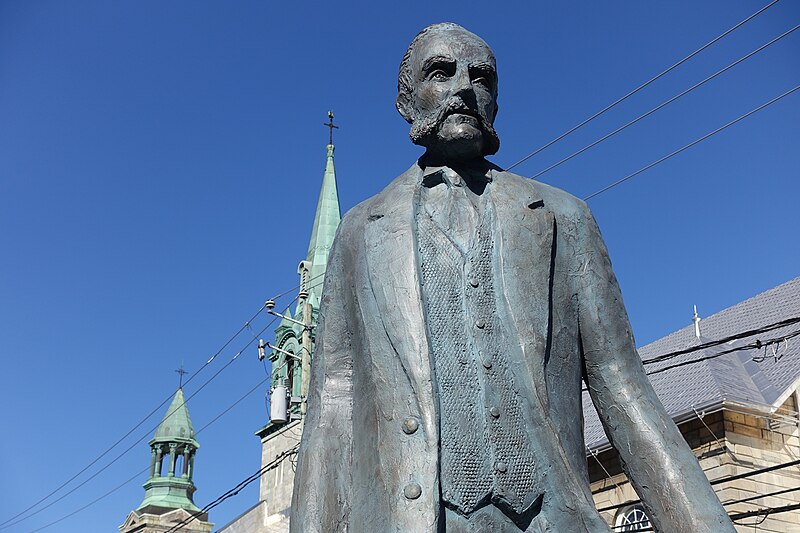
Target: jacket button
[480, 323]
[410, 425]
[501, 466]
[412, 491]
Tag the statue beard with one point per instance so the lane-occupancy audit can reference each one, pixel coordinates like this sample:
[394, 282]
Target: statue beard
[424, 129]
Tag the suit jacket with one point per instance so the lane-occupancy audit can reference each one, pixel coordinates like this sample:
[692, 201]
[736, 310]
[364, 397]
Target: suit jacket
[369, 454]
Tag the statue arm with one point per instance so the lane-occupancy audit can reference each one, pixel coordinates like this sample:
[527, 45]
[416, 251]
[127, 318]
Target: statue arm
[653, 453]
[320, 503]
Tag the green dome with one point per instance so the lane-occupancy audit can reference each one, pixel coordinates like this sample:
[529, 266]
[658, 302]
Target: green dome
[176, 425]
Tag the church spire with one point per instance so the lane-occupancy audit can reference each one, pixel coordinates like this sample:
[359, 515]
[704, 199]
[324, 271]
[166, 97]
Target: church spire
[168, 502]
[174, 441]
[326, 220]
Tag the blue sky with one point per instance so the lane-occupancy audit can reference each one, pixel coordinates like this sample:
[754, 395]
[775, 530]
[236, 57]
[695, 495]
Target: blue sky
[160, 164]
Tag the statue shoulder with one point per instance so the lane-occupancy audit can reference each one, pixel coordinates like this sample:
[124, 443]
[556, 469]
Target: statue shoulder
[558, 201]
[389, 199]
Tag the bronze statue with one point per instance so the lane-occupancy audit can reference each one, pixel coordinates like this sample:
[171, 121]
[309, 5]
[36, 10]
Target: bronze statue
[463, 308]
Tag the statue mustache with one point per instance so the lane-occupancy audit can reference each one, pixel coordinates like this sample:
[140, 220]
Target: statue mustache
[427, 125]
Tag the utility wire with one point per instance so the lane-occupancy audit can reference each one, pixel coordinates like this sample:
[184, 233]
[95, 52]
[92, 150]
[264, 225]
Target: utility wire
[741, 335]
[139, 473]
[134, 428]
[759, 496]
[150, 414]
[236, 489]
[143, 437]
[736, 336]
[245, 326]
[703, 138]
[751, 346]
[645, 84]
[719, 481]
[664, 104]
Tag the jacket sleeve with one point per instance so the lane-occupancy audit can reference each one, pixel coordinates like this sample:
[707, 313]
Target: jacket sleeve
[321, 498]
[653, 453]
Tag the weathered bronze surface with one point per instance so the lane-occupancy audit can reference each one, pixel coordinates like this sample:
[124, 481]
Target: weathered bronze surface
[463, 306]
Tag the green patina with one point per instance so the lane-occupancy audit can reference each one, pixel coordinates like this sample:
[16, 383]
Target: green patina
[174, 440]
[288, 334]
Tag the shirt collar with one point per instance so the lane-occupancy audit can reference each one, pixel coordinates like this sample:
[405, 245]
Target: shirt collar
[436, 175]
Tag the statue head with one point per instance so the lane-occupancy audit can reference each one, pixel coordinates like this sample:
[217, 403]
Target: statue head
[447, 91]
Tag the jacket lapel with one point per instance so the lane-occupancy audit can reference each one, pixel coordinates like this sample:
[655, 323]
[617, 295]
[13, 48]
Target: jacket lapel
[391, 253]
[524, 259]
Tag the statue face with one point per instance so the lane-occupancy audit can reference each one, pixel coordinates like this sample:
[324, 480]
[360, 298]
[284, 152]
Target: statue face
[454, 99]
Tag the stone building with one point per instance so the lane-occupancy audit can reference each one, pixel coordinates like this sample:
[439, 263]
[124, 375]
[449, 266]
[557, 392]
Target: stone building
[168, 499]
[737, 408]
[280, 439]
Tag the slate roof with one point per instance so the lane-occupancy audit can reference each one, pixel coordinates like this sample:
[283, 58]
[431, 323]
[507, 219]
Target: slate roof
[733, 377]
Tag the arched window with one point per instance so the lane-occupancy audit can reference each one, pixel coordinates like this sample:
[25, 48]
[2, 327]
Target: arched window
[632, 518]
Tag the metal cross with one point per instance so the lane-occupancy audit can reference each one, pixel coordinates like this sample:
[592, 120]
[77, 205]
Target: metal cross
[331, 126]
[181, 371]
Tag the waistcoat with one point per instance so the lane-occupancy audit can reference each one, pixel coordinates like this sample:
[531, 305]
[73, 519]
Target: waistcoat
[485, 449]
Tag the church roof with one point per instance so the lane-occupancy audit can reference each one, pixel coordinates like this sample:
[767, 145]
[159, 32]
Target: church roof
[734, 377]
[326, 220]
[176, 425]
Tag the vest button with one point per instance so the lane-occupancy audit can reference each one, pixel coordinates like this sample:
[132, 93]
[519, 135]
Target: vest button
[480, 323]
[501, 466]
[412, 491]
[410, 425]
[486, 361]
[495, 412]
[474, 282]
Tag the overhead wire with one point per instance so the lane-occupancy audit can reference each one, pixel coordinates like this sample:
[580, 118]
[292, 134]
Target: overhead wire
[134, 428]
[642, 86]
[236, 489]
[246, 325]
[693, 143]
[751, 346]
[719, 481]
[139, 473]
[14, 522]
[665, 103]
[730, 338]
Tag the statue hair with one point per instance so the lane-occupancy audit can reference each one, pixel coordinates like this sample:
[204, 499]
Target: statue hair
[404, 78]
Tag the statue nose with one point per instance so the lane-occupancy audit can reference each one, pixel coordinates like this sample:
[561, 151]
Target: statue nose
[463, 83]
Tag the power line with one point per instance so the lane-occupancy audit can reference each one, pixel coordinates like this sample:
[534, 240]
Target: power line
[719, 481]
[143, 437]
[237, 488]
[765, 512]
[741, 335]
[736, 336]
[752, 346]
[665, 103]
[139, 473]
[759, 496]
[645, 84]
[703, 138]
[134, 428]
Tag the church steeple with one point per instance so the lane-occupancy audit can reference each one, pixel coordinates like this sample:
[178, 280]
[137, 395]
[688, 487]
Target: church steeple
[174, 441]
[168, 498]
[287, 372]
[326, 220]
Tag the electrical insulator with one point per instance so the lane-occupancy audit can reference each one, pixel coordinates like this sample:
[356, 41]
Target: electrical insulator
[262, 352]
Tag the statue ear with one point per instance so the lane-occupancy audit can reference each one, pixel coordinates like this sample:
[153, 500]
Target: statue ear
[403, 104]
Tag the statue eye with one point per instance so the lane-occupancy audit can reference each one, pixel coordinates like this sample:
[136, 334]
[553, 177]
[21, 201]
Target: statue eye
[438, 75]
[483, 78]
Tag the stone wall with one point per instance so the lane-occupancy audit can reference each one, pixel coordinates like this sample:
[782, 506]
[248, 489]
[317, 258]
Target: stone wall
[271, 514]
[727, 443]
